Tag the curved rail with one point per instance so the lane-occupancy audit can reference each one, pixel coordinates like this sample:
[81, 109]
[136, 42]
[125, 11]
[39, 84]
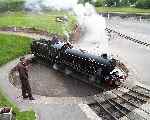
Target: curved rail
[123, 104]
[128, 37]
[131, 103]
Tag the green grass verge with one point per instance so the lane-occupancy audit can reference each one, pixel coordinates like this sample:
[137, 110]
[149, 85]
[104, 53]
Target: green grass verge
[127, 10]
[26, 115]
[12, 46]
[45, 21]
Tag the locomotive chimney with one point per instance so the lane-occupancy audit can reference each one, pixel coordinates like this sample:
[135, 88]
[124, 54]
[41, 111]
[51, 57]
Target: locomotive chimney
[104, 56]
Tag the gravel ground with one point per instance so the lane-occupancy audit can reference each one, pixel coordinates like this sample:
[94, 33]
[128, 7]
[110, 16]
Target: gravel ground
[47, 108]
[47, 82]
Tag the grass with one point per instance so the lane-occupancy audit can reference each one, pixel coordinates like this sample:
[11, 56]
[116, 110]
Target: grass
[44, 21]
[127, 10]
[12, 47]
[26, 115]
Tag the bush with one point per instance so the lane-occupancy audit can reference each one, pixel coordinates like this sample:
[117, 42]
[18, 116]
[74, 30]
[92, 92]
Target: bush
[16, 6]
[124, 3]
[11, 5]
[99, 3]
[143, 4]
[132, 2]
[3, 6]
[111, 3]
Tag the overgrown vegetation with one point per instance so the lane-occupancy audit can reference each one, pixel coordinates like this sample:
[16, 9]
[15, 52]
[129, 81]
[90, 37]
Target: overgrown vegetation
[26, 115]
[12, 47]
[143, 4]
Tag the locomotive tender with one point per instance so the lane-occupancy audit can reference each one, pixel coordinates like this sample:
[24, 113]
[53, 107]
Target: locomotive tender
[96, 69]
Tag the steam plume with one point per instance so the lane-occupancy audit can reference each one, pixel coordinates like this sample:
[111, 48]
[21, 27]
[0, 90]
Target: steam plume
[92, 24]
[50, 4]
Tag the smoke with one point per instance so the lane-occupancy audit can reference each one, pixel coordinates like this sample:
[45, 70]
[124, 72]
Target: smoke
[94, 39]
[38, 5]
[92, 24]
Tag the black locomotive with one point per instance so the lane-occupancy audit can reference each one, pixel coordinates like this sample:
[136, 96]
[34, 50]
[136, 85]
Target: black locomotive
[65, 57]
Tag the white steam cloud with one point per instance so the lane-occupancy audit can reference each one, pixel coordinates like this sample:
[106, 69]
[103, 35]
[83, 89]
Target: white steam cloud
[93, 25]
[50, 4]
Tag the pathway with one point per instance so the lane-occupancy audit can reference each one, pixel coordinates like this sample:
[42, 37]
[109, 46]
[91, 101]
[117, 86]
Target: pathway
[46, 108]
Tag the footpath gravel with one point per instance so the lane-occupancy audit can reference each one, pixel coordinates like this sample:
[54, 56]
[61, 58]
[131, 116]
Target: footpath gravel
[45, 108]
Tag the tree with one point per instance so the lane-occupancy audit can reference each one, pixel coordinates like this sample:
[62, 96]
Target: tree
[132, 2]
[111, 3]
[124, 2]
[85, 1]
[99, 3]
[143, 4]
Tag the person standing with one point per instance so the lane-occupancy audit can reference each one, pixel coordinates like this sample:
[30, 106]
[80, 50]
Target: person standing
[22, 68]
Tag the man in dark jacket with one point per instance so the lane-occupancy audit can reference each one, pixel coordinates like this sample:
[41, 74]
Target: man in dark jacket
[22, 68]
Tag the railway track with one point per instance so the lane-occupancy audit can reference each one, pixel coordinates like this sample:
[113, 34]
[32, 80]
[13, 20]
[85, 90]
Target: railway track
[122, 106]
[128, 37]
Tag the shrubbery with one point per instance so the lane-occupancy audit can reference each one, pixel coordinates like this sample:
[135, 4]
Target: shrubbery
[99, 3]
[11, 5]
[143, 4]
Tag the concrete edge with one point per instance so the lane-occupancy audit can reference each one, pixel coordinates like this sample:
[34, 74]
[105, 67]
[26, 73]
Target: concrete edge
[89, 112]
[36, 116]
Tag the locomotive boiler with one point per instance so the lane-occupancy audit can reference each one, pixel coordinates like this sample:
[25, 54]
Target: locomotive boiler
[95, 69]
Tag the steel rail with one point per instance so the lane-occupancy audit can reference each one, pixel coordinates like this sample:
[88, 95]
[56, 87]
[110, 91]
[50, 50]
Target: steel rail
[117, 107]
[127, 37]
[96, 99]
[136, 91]
[132, 103]
[131, 95]
[143, 89]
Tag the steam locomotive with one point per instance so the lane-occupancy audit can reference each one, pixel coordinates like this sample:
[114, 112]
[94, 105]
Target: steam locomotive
[63, 56]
